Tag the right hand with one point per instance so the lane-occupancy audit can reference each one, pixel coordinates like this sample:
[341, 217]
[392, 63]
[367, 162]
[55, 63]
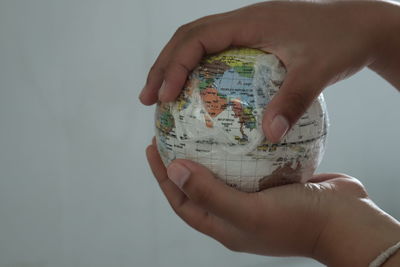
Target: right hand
[319, 42]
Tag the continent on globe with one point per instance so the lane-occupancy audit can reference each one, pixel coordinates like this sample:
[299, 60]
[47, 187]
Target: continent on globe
[216, 121]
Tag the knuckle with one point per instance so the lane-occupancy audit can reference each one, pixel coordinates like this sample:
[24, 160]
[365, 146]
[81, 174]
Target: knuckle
[206, 18]
[194, 31]
[176, 210]
[352, 186]
[183, 28]
[191, 32]
[155, 70]
[358, 188]
[362, 192]
[195, 224]
[201, 196]
[177, 206]
[175, 66]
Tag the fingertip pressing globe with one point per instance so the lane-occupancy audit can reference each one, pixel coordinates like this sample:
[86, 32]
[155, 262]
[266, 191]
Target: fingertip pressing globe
[216, 121]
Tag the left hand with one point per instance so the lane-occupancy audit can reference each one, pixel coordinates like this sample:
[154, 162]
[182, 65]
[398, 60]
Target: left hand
[321, 219]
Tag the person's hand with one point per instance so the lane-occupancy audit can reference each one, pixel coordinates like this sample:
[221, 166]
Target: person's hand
[319, 42]
[330, 219]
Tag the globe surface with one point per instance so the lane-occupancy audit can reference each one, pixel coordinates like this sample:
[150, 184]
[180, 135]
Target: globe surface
[216, 121]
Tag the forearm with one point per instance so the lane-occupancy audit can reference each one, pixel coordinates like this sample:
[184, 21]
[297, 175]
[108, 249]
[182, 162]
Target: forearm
[387, 33]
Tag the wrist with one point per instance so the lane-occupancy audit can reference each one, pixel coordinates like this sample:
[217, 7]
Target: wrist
[356, 235]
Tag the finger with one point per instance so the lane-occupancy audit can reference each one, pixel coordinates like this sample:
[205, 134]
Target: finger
[192, 214]
[211, 225]
[298, 91]
[201, 187]
[149, 94]
[175, 196]
[202, 39]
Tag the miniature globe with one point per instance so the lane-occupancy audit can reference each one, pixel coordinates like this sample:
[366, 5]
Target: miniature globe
[217, 121]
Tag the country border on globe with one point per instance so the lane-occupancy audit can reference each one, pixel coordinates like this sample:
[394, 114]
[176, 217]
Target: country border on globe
[216, 121]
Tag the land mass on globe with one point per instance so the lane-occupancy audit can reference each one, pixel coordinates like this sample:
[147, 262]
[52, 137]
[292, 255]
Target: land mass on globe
[216, 121]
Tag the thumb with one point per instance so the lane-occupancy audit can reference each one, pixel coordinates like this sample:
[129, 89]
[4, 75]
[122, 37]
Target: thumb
[292, 100]
[201, 186]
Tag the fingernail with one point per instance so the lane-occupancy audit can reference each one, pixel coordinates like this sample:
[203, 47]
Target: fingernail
[162, 92]
[279, 127]
[178, 174]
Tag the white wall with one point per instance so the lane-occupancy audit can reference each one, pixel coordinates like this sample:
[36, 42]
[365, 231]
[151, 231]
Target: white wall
[75, 188]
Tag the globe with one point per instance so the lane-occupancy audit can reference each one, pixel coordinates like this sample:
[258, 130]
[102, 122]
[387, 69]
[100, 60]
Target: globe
[216, 121]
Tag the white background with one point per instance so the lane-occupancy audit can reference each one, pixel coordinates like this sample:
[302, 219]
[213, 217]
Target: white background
[75, 188]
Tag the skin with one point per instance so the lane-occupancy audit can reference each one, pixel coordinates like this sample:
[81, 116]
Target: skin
[319, 43]
[331, 218]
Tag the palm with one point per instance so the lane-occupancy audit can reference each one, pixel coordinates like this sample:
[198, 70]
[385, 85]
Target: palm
[285, 220]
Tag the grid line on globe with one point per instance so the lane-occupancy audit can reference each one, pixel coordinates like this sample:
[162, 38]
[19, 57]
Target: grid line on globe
[216, 121]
